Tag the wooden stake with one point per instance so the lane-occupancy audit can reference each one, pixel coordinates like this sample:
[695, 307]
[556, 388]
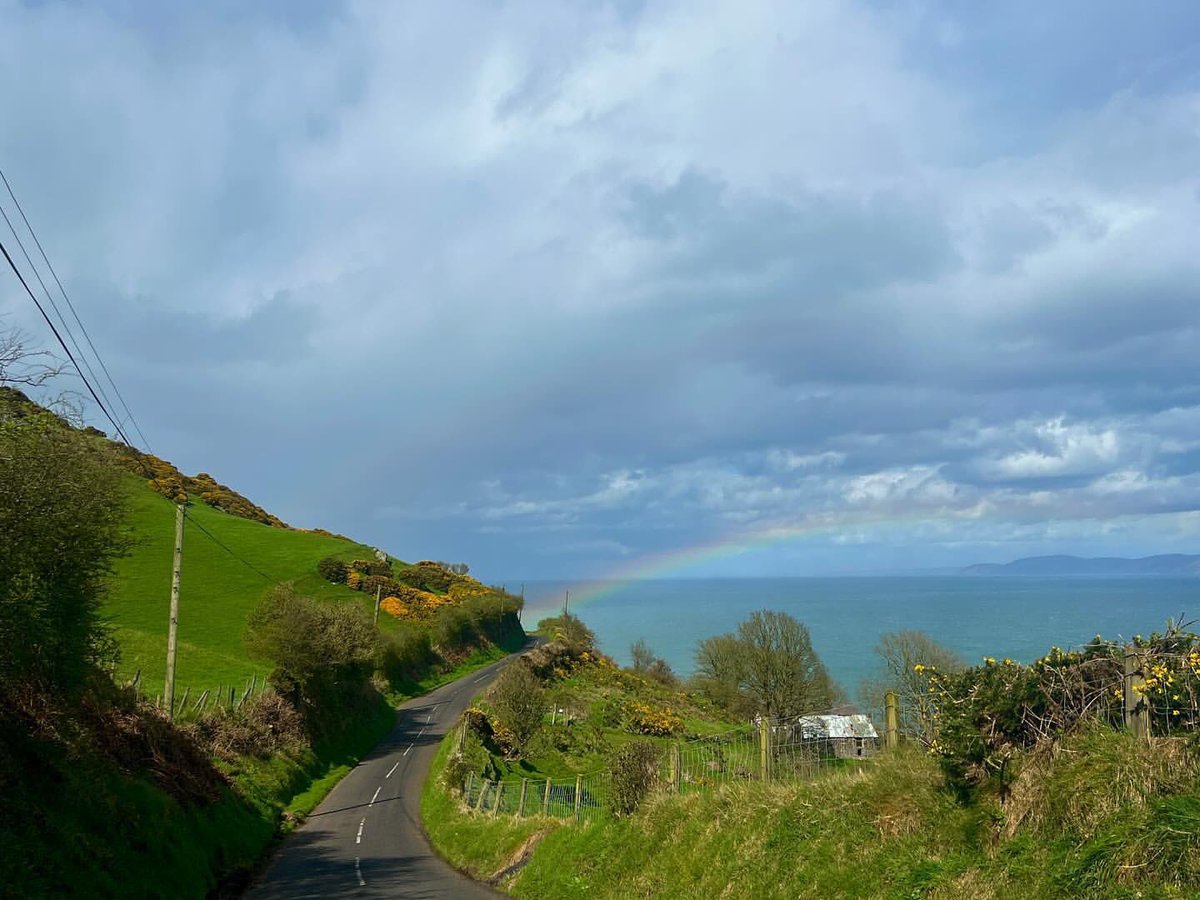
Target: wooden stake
[891, 733]
[1137, 713]
[578, 795]
[521, 803]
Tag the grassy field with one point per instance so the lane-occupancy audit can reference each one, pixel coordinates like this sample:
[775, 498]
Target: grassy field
[217, 591]
[1108, 817]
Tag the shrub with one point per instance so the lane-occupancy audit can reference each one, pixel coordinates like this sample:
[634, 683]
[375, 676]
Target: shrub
[333, 569]
[323, 654]
[519, 703]
[657, 721]
[405, 654]
[634, 770]
[61, 526]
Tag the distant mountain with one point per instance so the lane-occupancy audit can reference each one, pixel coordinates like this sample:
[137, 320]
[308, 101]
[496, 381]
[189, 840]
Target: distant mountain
[1179, 565]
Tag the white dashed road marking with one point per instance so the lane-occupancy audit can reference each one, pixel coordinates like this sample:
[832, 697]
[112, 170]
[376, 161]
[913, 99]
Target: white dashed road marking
[393, 768]
[358, 840]
[358, 872]
[376, 797]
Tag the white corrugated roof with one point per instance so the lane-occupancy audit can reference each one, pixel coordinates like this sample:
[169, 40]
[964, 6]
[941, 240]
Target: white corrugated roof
[831, 726]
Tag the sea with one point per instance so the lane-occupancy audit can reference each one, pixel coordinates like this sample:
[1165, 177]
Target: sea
[1017, 617]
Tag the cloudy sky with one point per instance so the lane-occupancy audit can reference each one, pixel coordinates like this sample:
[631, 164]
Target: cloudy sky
[555, 288]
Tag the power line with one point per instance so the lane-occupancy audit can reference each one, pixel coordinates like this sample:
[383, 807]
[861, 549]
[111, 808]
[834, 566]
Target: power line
[71, 306]
[88, 384]
[21, 278]
[61, 318]
[216, 540]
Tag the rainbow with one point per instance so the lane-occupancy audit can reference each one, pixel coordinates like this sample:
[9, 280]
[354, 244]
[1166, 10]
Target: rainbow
[672, 562]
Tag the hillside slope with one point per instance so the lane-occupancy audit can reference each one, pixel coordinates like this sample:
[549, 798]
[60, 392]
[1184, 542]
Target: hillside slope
[217, 592]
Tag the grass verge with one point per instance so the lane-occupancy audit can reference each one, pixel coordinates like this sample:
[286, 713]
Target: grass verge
[1113, 818]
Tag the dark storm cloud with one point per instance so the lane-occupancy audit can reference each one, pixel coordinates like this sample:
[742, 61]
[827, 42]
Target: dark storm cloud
[551, 287]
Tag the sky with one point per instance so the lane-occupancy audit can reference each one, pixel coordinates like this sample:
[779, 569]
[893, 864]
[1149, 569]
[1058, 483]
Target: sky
[560, 289]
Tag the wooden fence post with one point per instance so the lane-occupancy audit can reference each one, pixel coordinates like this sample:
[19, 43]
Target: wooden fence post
[497, 799]
[521, 804]
[546, 799]
[483, 788]
[676, 765]
[469, 787]
[578, 795]
[764, 747]
[1137, 713]
[891, 717]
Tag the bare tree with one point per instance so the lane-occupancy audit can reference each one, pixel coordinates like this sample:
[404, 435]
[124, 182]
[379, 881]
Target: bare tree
[22, 366]
[905, 660]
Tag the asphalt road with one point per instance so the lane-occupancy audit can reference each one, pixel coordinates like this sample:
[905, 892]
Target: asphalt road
[365, 839]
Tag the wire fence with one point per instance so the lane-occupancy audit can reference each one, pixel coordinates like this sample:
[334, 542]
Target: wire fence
[583, 799]
[781, 749]
[191, 704]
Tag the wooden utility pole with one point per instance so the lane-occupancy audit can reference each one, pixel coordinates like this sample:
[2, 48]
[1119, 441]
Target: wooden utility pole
[378, 588]
[566, 604]
[891, 733]
[173, 627]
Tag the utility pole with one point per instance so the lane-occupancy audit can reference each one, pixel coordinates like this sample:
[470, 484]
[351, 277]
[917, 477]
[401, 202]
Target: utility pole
[566, 604]
[173, 627]
[378, 588]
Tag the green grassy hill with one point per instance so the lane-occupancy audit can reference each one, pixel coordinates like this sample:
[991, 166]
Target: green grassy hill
[217, 590]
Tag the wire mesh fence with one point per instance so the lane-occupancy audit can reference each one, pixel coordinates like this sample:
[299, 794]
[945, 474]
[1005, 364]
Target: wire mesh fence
[781, 749]
[583, 798]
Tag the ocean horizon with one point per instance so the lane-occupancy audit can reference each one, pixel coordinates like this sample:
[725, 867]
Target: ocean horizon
[1020, 617]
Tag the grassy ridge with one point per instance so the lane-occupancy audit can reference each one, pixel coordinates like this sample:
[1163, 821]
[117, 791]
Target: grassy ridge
[217, 591]
[1108, 817]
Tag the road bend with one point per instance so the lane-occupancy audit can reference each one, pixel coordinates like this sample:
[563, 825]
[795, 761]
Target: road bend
[365, 839]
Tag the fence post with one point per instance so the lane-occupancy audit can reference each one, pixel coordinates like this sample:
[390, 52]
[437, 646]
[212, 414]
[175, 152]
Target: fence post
[1137, 714]
[546, 799]
[676, 765]
[764, 747]
[469, 787]
[521, 804]
[891, 718]
[482, 793]
[499, 796]
[578, 795]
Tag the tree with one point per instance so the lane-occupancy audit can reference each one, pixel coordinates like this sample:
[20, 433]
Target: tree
[519, 703]
[646, 662]
[767, 667]
[899, 654]
[641, 655]
[62, 504]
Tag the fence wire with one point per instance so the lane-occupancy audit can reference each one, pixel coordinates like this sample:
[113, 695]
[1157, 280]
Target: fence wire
[582, 799]
[790, 749]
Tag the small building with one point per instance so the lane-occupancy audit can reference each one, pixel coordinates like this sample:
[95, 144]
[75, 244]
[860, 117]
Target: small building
[845, 737]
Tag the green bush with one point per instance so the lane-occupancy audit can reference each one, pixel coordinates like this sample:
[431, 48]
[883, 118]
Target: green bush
[62, 507]
[405, 654]
[634, 770]
[519, 704]
[333, 569]
[323, 654]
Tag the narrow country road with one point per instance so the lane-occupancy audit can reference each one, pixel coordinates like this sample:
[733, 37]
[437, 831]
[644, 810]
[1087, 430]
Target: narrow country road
[365, 839]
